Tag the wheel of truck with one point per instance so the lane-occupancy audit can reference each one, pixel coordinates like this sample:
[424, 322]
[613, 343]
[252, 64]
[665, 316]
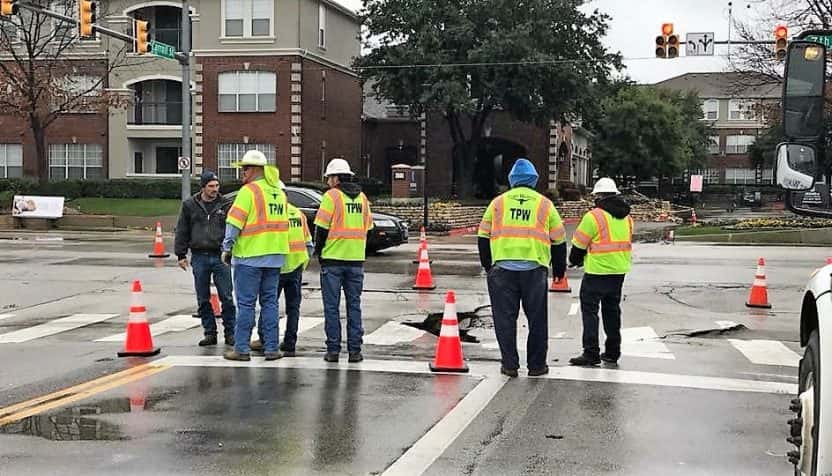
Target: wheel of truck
[805, 426]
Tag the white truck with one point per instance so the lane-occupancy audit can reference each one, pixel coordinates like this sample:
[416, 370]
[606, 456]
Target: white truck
[797, 169]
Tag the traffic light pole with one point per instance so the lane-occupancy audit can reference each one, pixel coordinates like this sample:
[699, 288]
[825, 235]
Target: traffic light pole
[185, 60]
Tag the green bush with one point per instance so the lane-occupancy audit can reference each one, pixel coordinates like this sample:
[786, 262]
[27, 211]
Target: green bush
[117, 188]
[6, 198]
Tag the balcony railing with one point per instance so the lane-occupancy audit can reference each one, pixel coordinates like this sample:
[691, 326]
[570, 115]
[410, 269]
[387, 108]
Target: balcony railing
[156, 113]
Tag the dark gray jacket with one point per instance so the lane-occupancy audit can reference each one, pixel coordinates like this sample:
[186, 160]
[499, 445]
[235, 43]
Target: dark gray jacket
[197, 230]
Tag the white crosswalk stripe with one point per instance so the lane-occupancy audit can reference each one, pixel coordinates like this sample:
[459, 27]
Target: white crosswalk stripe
[573, 309]
[172, 324]
[642, 342]
[6, 316]
[392, 333]
[766, 352]
[53, 327]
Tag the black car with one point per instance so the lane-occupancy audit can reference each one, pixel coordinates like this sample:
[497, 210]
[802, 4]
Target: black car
[388, 230]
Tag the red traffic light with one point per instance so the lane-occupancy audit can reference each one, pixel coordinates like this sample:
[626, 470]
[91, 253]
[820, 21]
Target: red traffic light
[667, 29]
[781, 32]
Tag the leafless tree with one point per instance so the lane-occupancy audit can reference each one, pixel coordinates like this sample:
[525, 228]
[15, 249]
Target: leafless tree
[46, 71]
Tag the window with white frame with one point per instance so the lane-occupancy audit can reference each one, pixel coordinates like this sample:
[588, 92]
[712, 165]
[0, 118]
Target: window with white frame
[227, 154]
[710, 109]
[322, 25]
[64, 31]
[9, 29]
[247, 91]
[713, 145]
[11, 160]
[75, 93]
[740, 176]
[768, 175]
[710, 175]
[247, 18]
[740, 110]
[738, 144]
[76, 161]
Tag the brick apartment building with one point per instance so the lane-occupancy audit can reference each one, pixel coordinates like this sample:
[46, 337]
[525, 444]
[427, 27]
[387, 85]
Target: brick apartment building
[391, 135]
[732, 104]
[268, 74]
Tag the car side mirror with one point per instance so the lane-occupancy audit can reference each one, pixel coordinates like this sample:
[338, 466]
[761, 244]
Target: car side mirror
[796, 166]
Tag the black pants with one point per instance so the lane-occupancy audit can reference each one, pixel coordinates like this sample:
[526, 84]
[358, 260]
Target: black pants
[603, 290]
[507, 289]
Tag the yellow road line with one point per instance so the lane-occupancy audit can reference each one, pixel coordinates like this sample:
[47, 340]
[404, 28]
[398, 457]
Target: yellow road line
[78, 392]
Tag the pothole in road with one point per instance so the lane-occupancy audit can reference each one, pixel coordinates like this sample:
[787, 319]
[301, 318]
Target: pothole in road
[734, 330]
[476, 319]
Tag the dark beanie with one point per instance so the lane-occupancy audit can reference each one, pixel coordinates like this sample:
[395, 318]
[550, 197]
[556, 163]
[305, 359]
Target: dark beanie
[206, 177]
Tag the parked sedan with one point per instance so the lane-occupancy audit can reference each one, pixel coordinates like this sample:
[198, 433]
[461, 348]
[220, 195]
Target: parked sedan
[388, 230]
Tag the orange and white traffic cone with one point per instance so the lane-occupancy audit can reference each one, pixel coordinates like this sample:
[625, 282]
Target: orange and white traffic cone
[159, 244]
[759, 290]
[424, 278]
[423, 245]
[449, 348]
[139, 342]
[560, 285]
[216, 307]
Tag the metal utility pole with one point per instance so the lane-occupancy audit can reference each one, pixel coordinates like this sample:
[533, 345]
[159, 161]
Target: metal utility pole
[185, 60]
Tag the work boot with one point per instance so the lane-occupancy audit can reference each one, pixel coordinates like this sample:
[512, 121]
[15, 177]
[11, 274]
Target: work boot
[509, 372]
[538, 372]
[208, 340]
[233, 355]
[229, 340]
[287, 352]
[584, 360]
[273, 355]
[608, 359]
[256, 345]
[331, 357]
[355, 357]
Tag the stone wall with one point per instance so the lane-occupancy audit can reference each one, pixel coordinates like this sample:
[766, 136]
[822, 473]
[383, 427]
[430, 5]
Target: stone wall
[446, 215]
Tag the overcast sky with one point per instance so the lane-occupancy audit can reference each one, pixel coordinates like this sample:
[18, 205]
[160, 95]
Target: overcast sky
[635, 24]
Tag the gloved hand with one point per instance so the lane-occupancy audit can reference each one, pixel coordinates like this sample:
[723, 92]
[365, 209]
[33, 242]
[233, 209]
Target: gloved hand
[183, 263]
[225, 257]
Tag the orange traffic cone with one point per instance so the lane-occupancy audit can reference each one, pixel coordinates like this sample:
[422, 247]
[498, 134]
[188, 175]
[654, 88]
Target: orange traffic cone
[159, 244]
[449, 348]
[139, 342]
[828, 260]
[560, 285]
[215, 302]
[693, 216]
[424, 278]
[423, 245]
[759, 290]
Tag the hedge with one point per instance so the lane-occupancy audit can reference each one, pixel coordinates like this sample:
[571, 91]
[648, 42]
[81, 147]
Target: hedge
[142, 188]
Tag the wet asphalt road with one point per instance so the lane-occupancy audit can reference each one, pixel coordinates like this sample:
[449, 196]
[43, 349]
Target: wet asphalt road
[304, 419]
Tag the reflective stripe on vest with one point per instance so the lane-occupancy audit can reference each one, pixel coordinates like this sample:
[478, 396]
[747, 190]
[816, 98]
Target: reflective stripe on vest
[262, 224]
[605, 243]
[339, 229]
[535, 231]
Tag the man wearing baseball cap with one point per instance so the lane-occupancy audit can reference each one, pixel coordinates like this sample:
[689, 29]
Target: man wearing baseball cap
[200, 229]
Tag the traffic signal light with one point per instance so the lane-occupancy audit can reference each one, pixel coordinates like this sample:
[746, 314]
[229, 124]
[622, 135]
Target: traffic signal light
[661, 46]
[781, 35]
[8, 7]
[86, 18]
[673, 46]
[667, 44]
[142, 37]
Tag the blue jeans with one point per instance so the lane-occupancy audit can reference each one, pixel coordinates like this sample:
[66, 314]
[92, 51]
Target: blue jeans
[205, 266]
[251, 282]
[351, 279]
[290, 287]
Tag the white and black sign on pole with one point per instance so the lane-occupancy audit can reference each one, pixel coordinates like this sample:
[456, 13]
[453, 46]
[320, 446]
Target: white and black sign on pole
[184, 163]
[699, 44]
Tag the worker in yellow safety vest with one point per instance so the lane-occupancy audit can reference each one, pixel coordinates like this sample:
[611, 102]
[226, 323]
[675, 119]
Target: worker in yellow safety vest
[256, 243]
[341, 226]
[602, 243]
[291, 277]
[520, 235]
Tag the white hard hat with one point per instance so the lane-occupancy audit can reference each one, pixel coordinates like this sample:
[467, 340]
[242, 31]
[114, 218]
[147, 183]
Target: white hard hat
[254, 158]
[338, 167]
[605, 185]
